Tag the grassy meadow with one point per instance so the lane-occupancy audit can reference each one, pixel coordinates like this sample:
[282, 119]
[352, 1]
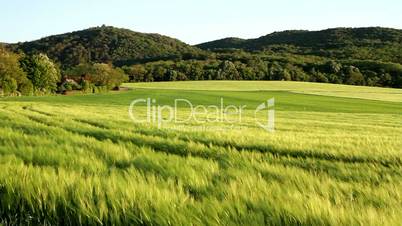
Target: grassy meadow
[335, 158]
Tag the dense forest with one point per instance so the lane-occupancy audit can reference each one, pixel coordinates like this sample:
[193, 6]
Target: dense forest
[101, 58]
[107, 45]
[372, 43]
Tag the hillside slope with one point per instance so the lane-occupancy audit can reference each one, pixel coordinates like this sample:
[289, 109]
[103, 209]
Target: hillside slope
[374, 43]
[107, 44]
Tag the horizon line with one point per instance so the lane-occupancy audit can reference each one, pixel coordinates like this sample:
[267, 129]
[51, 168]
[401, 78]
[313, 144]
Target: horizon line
[217, 39]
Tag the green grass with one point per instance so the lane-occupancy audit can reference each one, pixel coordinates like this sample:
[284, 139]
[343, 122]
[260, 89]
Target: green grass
[80, 160]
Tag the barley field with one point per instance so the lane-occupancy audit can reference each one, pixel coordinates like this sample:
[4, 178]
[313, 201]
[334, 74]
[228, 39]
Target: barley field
[335, 158]
[325, 89]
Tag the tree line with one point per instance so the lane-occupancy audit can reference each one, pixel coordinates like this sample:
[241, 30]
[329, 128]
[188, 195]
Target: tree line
[36, 74]
[347, 72]
[22, 74]
[100, 59]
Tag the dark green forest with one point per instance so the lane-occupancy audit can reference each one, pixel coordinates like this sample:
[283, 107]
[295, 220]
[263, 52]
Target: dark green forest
[101, 58]
[374, 43]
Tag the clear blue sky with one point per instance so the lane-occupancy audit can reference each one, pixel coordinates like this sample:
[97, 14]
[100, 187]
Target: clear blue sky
[189, 20]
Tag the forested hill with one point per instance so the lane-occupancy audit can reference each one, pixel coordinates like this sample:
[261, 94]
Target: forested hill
[354, 56]
[373, 43]
[108, 44]
[225, 43]
[124, 47]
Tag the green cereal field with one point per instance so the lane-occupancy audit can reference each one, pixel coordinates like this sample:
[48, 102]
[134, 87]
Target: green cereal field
[334, 157]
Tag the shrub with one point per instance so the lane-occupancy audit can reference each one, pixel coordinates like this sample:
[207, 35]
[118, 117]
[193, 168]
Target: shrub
[9, 86]
[86, 86]
[68, 86]
[26, 88]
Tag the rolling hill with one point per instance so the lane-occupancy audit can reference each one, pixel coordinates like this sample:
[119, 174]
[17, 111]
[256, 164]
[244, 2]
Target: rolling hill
[355, 56]
[374, 43]
[107, 44]
[123, 46]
